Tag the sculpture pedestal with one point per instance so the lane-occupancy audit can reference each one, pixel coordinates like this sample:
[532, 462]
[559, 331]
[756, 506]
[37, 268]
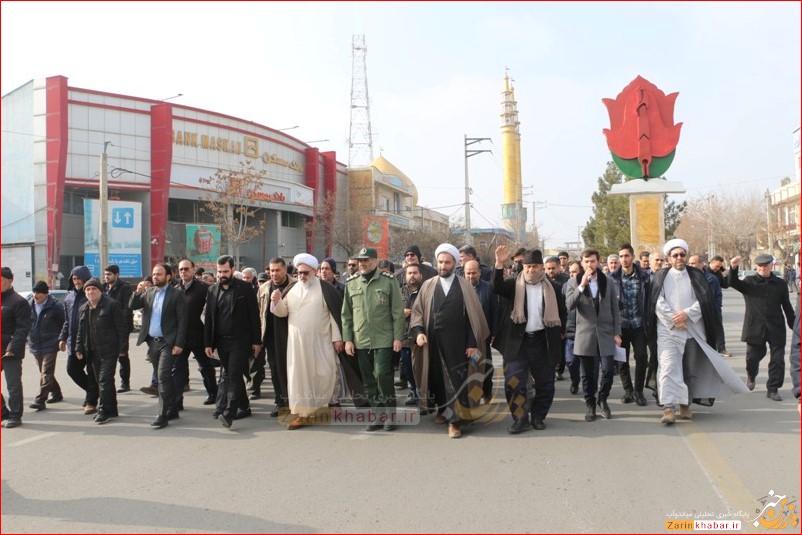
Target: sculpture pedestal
[646, 210]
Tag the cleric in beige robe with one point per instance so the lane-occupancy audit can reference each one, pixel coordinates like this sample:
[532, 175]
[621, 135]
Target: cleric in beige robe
[448, 324]
[313, 341]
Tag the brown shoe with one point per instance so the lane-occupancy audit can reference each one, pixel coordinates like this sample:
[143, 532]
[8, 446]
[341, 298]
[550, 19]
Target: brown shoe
[150, 389]
[298, 423]
[90, 409]
[453, 431]
[440, 419]
[668, 416]
[685, 412]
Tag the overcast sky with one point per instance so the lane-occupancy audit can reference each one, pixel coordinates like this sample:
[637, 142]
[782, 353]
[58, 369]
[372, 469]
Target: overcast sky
[435, 73]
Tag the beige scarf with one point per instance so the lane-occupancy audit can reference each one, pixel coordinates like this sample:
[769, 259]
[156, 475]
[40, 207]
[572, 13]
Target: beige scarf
[551, 314]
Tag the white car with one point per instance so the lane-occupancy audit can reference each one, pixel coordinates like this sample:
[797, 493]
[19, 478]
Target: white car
[137, 320]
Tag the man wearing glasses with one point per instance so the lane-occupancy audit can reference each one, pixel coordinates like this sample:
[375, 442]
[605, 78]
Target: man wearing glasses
[312, 308]
[686, 325]
[412, 257]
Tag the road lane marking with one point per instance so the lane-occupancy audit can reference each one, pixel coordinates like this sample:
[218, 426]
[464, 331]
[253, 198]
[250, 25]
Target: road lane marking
[725, 482]
[33, 439]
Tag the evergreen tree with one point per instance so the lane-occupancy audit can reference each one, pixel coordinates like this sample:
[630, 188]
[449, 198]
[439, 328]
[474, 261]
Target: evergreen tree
[609, 226]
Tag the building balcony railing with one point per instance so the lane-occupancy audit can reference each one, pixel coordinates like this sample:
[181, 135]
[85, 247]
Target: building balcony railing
[395, 183]
[397, 220]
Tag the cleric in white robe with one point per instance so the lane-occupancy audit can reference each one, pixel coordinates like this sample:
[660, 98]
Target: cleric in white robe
[686, 325]
[313, 341]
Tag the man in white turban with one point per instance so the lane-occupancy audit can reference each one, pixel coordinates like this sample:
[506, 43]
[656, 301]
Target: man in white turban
[686, 325]
[448, 323]
[313, 341]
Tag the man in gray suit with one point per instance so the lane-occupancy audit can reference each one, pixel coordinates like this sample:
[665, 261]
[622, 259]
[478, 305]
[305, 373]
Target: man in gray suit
[164, 328]
[598, 330]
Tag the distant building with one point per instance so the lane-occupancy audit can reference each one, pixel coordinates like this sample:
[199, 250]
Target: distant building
[159, 157]
[383, 190]
[784, 216]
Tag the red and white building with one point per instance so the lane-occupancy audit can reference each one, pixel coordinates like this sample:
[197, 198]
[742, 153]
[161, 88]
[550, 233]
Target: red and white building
[159, 152]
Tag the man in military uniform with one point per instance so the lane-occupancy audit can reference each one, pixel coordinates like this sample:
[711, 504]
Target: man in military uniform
[373, 326]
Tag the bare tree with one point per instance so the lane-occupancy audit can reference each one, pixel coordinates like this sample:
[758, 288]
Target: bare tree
[344, 226]
[230, 204]
[728, 223]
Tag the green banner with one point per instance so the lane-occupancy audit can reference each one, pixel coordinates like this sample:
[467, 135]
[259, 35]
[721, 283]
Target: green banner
[203, 244]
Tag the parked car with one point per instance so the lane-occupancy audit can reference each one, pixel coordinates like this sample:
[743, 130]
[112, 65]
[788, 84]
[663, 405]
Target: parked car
[137, 320]
[58, 295]
[743, 274]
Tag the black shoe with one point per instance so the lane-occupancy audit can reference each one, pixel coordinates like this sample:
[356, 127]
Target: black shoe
[629, 397]
[639, 399]
[226, 420]
[774, 395]
[256, 395]
[13, 422]
[590, 415]
[750, 382]
[275, 411]
[411, 402]
[38, 406]
[160, 421]
[574, 388]
[216, 413]
[518, 427]
[538, 424]
[373, 427]
[55, 398]
[208, 400]
[242, 413]
[101, 418]
[124, 387]
[605, 409]
[172, 414]
[5, 414]
[335, 405]
[559, 376]
[390, 427]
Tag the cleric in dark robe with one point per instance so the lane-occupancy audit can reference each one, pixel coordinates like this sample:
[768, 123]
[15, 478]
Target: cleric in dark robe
[686, 325]
[446, 322]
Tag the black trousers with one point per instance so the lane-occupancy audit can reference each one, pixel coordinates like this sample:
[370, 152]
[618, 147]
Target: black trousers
[637, 339]
[256, 373]
[206, 367]
[756, 352]
[125, 370]
[234, 358]
[161, 356]
[80, 371]
[104, 368]
[532, 358]
[278, 376]
[590, 377]
[12, 369]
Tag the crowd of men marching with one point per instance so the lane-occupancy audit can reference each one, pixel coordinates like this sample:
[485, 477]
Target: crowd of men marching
[326, 339]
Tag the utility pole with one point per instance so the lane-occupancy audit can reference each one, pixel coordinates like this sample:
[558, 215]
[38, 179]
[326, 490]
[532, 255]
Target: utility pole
[468, 153]
[769, 244]
[103, 234]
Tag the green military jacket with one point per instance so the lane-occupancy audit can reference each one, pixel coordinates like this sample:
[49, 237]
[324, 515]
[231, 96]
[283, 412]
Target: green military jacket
[373, 311]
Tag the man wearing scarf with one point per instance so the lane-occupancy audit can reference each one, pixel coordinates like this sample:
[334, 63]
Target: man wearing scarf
[598, 330]
[313, 341]
[448, 323]
[686, 325]
[528, 337]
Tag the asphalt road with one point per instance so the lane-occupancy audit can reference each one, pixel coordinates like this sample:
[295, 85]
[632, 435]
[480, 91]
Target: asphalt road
[61, 473]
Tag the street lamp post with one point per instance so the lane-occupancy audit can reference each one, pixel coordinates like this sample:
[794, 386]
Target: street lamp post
[468, 153]
[103, 233]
